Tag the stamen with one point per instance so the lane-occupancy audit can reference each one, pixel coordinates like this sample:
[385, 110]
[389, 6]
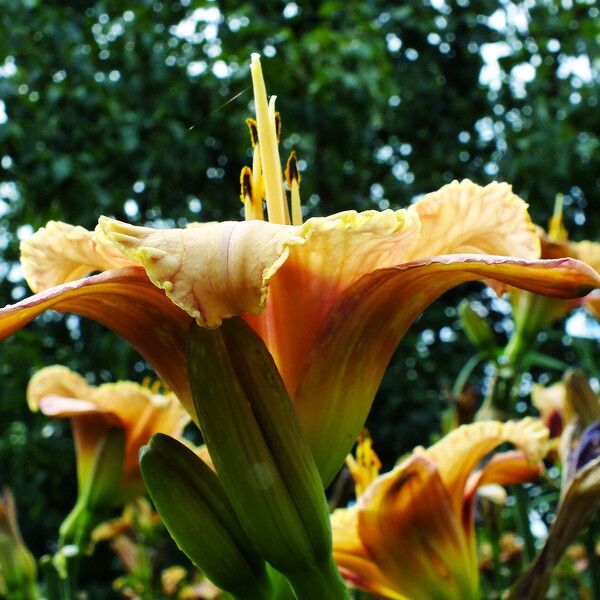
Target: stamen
[278, 126]
[267, 136]
[252, 205]
[253, 131]
[365, 467]
[293, 180]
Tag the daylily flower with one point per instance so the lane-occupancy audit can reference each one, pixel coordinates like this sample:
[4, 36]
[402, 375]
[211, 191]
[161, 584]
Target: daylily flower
[579, 501]
[571, 398]
[138, 410]
[411, 533]
[533, 312]
[331, 297]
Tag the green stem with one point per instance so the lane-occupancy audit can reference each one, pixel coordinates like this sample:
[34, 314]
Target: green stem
[523, 524]
[498, 403]
[325, 583]
[593, 559]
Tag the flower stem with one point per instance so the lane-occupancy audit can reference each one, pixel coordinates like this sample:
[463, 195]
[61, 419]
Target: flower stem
[523, 524]
[593, 559]
[325, 583]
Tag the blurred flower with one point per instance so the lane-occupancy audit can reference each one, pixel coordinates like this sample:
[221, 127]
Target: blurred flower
[571, 398]
[532, 312]
[365, 467]
[411, 533]
[18, 571]
[138, 410]
[331, 297]
[580, 497]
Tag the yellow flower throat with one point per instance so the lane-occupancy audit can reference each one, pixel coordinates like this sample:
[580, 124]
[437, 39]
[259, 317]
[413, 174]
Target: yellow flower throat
[264, 180]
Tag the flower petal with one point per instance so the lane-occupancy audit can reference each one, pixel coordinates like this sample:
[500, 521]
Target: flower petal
[465, 218]
[59, 253]
[366, 325]
[407, 524]
[353, 559]
[506, 468]
[126, 302]
[589, 253]
[458, 453]
[56, 381]
[217, 270]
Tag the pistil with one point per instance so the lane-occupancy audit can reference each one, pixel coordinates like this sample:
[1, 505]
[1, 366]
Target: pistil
[267, 140]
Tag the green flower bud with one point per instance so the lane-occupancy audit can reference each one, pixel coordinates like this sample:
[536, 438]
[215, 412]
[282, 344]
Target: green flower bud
[477, 329]
[258, 448]
[200, 518]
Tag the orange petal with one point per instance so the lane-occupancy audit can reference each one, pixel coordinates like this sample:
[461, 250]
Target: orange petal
[353, 559]
[458, 453]
[589, 253]
[59, 253]
[216, 270]
[408, 526]
[465, 218]
[366, 325]
[56, 381]
[125, 301]
[592, 303]
[506, 468]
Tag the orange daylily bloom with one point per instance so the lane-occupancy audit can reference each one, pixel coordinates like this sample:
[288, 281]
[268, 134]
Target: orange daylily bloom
[411, 533]
[331, 297]
[532, 312]
[139, 411]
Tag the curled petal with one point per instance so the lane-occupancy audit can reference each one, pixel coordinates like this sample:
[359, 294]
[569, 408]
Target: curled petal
[125, 301]
[217, 270]
[409, 528]
[502, 469]
[56, 381]
[366, 325]
[59, 253]
[465, 218]
[458, 453]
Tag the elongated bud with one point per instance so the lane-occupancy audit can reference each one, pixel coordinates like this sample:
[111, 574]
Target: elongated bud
[100, 491]
[200, 518]
[18, 572]
[477, 329]
[261, 457]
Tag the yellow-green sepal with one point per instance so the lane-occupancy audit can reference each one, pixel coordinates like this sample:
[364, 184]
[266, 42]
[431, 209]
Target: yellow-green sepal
[190, 500]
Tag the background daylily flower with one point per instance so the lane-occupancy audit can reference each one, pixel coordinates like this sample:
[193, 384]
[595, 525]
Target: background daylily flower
[533, 312]
[331, 297]
[579, 501]
[411, 533]
[139, 411]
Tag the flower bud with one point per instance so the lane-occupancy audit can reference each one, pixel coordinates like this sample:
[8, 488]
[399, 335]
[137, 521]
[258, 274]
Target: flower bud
[199, 517]
[258, 448]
